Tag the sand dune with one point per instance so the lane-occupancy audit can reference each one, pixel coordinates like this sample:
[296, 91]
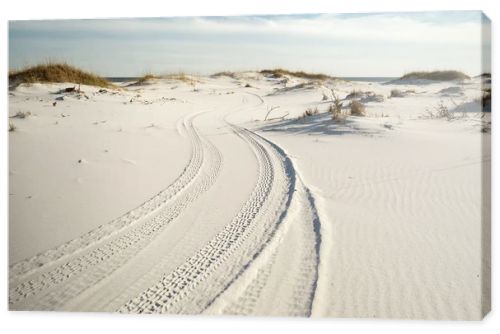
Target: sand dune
[216, 196]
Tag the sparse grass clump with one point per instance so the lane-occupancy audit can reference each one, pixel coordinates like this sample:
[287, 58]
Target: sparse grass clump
[309, 112]
[354, 94]
[182, 77]
[397, 93]
[440, 111]
[436, 76]
[365, 96]
[174, 76]
[56, 73]
[279, 73]
[357, 108]
[12, 127]
[145, 78]
[21, 114]
[400, 93]
[224, 74]
[335, 109]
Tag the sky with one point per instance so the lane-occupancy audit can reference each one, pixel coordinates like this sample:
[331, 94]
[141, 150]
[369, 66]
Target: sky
[381, 44]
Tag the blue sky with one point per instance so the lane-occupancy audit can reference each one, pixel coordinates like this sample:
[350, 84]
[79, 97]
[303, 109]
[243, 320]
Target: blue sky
[384, 44]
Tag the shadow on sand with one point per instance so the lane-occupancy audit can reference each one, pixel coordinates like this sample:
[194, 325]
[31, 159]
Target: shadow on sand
[320, 125]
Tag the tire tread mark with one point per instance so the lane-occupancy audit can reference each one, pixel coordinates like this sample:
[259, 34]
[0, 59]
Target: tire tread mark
[190, 171]
[93, 266]
[168, 294]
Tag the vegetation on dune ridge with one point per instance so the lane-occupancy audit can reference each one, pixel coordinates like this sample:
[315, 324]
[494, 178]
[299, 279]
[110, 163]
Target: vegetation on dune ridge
[279, 73]
[173, 76]
[436, 76]
[181, 77]
[56, 73]
[357, 108]
[224, 74]
[145, 78]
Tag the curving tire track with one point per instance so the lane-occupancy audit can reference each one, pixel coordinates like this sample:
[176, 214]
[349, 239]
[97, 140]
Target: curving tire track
[52, 288]
[193, 286]
[282, 280]
[37, 262]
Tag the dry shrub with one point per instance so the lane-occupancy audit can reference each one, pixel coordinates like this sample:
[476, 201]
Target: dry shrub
[335, 109]
[440, 111]
[357, 108]
[397, 93]
[309, 112]
[354, 94]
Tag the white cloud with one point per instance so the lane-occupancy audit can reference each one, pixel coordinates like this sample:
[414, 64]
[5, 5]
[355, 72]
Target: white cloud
[387, 43]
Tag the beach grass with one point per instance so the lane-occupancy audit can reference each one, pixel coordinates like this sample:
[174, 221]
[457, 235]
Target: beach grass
[56, 73]
[436, 76]
[279, 73]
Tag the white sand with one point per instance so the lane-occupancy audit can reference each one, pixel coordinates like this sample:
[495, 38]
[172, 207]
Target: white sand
[179, 199]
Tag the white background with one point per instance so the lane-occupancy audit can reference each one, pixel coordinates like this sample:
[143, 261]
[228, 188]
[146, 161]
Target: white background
[34, 322]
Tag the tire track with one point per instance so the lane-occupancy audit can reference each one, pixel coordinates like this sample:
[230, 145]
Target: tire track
[51, 289]
[282, 280]
[37, 262]
[194, 285]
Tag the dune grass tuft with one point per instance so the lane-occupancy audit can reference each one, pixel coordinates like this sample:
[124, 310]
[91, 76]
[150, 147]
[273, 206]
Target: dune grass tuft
[181, 77]
[357, 108]
[279, 73]
[224, 74]
[172, 76]
[436, 76]
[397, 93]
[309, 112]
[145, 78]
[56, 73]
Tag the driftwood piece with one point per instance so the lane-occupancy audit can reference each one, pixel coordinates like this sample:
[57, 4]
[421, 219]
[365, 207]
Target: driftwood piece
[269, 111]
[281, 117]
